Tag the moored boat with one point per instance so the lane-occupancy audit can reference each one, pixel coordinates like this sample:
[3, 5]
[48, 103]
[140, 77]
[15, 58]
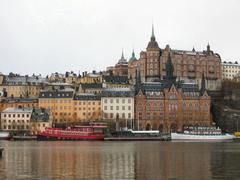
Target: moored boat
[131, 135]
[5, 136]
[202, 133]
[94, 131]
[24, 138]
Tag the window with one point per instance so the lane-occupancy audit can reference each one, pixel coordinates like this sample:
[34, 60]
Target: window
[123, 107]
[117, 107]
[111, 100]
[123, 100]
[129, 108]
[105, 107]
[23, 115]
[129, 115]
[117, 100]
[111, 108]
[129, 101]
[105, 100]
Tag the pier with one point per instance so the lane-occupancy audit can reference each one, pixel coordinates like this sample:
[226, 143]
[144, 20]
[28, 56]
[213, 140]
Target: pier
[1, 151]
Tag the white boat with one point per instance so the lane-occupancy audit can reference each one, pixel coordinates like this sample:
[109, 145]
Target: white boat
[5, 135]
[202, 133]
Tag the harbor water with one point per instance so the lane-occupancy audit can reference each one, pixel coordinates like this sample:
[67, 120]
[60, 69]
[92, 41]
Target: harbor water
[119, 160]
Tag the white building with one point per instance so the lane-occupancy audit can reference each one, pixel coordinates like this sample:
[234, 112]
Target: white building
[16, 119]
[118, 105]
[230, 70]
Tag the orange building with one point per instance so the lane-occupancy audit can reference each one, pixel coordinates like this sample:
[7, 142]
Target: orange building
[18, 103]
[87, 107]
[68, 108]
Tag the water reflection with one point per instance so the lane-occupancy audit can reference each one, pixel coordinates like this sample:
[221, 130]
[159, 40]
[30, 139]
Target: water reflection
[119, 160]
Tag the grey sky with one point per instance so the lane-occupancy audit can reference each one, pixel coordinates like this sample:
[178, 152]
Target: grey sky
[54, 35]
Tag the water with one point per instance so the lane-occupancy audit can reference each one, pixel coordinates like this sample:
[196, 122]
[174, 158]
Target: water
[120, 160]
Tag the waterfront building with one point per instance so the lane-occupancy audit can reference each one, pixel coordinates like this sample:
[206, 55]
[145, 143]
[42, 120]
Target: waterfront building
[87, 107]
[68, 107]
[169, 105]
[59, 102]
[230, 70]
[16, 119]
[40, 119]
[118, 106]
[22, 86]
[188, 65]
[17, 102]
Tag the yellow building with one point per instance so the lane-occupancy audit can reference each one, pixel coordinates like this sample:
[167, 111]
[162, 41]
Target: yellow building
[91, 78]
[22, 86]
[87, 107]
[18, 103]
[67, 108]
[60, 102]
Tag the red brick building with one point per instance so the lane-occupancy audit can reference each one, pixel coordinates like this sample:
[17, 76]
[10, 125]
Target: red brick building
[188, 65]
[169, 105]
[121, 68]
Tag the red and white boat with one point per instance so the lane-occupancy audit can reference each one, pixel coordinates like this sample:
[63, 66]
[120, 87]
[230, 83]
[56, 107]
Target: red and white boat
[94, 131]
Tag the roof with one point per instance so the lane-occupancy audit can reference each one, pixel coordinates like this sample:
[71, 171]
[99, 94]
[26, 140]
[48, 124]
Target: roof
[24, 80]
[86, 96]
[19, 99]
[17, 110]
[40, 115]
[116, 79]
[91, 85]
[117, 92]
[65, 93]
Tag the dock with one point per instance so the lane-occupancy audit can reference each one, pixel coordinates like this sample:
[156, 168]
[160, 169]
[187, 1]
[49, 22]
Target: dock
[1, 151]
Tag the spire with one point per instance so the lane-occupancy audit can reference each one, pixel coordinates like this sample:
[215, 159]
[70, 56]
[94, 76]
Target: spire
[122, 55]
[208, 47]
[133, 56]
[193, 50]
[122, 60]
[153, 36]
[203, 88]
[153, 43]
[169, 68]
[138, 79]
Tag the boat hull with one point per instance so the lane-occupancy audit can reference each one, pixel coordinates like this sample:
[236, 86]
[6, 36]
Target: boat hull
[70, 138]
[182, 136]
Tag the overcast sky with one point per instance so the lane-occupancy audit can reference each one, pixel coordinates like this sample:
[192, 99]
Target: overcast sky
[47, 36]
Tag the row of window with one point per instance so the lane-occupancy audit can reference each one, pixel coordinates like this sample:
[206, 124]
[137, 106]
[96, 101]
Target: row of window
[117, 115]
[9, 127]
[16, 115]
[117, 108]
[14, 121]
[117, 100]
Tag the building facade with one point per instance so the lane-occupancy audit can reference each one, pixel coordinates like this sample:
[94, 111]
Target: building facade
[169, 105]
[40, 120]
[118, 107]
[188, 65]
[22, 86]
[18, 103]
[16, 119]
[60, 103]
[230, 70]
[87, 107]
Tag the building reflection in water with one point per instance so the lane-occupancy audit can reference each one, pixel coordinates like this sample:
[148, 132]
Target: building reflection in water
[115, 160]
